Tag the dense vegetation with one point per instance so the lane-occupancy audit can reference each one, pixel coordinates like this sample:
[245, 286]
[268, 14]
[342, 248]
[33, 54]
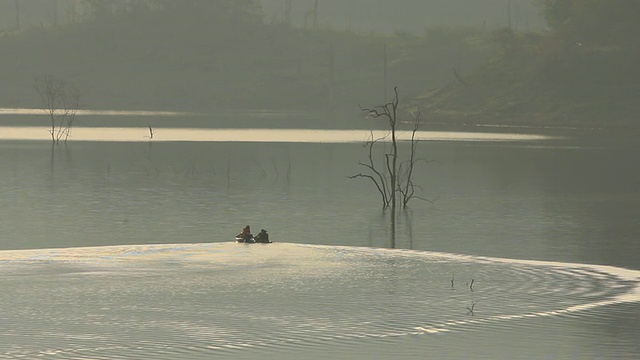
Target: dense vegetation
[211, 55]
[584, 70]
[223, 54]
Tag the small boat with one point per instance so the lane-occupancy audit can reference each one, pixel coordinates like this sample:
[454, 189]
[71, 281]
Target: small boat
[248, 240]
[261, 238]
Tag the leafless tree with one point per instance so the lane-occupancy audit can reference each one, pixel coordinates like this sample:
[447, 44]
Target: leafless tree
[385, 179]
[380, 178]
[406, 186]
[60, 101]
[393, 178]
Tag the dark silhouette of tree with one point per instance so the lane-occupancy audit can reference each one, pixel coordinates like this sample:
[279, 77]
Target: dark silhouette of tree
[60, 101]
[393, 179]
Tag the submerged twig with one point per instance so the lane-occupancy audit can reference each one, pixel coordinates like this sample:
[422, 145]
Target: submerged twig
[473, 305]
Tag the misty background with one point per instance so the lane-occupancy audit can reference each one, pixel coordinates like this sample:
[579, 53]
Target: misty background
[117, 242]
[380, 16]
[273, 54]
[556, 62]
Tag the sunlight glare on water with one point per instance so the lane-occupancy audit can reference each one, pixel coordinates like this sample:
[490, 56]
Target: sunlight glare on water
[186, 301]
[136, 134]
[23, 111]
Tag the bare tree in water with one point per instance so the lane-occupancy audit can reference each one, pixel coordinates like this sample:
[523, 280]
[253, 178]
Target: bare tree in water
[392, 177]
[60, 101]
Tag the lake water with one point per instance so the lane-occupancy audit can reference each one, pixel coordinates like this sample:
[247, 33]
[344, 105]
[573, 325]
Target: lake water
[122, 249]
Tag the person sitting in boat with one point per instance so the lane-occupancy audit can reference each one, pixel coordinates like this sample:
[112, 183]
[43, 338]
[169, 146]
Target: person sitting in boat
[262, 237]
[245, 234]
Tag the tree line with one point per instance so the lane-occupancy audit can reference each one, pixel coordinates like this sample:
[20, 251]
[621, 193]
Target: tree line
[21, 14]
[597, 22]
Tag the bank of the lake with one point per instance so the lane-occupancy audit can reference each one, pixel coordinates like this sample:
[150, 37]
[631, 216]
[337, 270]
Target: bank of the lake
[456, 76]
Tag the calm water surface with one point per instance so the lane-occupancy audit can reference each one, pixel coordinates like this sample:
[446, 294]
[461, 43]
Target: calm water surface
[122, 250]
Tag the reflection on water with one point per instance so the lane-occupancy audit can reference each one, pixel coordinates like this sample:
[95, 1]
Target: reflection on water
[544, 198]
[507, 199]
[22, 111]
[251, 135]
[188, 301]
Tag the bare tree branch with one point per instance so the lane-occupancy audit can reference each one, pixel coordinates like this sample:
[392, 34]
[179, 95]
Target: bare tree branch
[60, 102]
[393, 178]
[378, 186]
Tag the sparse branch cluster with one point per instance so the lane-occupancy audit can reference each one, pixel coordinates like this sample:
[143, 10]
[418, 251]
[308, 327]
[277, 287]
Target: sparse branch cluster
[392, 178]
[60, 101]
[379, 178]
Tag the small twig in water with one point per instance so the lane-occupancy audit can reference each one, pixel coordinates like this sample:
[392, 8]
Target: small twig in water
[473, 304]
[194, 171]
[275, 167]
[154, 167]
[263, 173]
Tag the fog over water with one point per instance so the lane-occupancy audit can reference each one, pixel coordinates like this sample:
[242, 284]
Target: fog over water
[137, 239]
[138, 138]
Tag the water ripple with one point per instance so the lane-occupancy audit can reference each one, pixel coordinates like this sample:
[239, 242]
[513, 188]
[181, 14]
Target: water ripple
[186, 301]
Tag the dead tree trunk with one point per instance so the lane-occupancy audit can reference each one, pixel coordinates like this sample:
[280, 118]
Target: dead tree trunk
[385, 180]
[395, 181]
[387, 186]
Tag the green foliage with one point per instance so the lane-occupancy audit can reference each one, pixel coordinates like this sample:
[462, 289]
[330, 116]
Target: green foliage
[104, 9]
[584, 70]
[199, 56]
[593, 21]
[505, 38]
[556, 12]
[214, 10]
